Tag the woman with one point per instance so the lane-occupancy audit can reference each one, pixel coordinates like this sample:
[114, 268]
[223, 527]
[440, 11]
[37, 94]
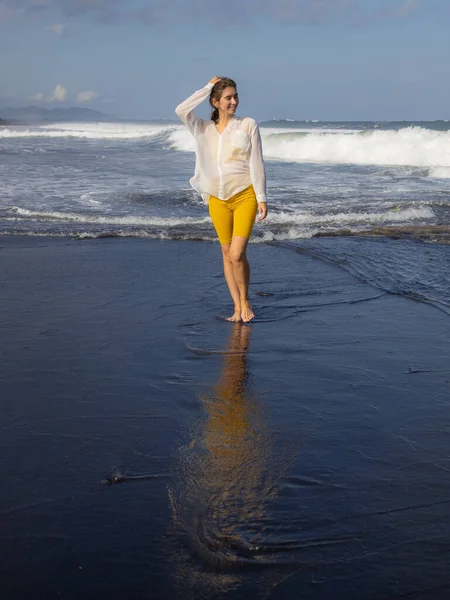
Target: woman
[230, 176]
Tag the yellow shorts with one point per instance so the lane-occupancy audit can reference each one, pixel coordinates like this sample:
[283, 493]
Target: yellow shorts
[235, 216]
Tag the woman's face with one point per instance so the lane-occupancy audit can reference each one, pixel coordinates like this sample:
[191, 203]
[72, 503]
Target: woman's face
[229, 101]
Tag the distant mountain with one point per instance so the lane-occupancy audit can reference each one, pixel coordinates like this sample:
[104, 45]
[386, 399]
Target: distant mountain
[37, 114]
[3, 123]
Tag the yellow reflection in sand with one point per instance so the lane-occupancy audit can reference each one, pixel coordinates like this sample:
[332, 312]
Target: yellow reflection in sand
[236, 443]
[224, 480]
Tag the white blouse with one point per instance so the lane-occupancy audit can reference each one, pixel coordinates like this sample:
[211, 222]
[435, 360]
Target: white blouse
[226, 163]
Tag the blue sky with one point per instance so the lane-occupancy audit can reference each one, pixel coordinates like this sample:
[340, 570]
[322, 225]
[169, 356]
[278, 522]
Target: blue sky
[297, 59]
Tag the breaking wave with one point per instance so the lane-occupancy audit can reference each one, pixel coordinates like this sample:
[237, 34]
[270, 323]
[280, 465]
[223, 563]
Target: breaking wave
[89, 131]
[410, 146]
[283, 225]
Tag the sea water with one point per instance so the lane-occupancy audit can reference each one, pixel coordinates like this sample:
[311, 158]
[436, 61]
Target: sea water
[89, 180]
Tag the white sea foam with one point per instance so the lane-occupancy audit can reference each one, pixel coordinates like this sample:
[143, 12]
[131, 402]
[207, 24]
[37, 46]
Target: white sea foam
[390, 216]
[294, 233]
[410, 146]
[440, 172]
[303, 219]
[89, 131]
[106, 219]
[181, 139]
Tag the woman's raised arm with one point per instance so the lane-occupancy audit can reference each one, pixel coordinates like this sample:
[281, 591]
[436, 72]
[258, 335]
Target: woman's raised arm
[185, 110]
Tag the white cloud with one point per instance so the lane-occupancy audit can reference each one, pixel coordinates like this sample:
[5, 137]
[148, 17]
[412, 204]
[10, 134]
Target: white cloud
[38, 97]
[59, 94]
[87, 96]
[57, 29]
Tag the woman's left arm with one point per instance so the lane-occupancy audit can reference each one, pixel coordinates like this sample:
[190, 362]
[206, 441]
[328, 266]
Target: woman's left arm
[258, 171]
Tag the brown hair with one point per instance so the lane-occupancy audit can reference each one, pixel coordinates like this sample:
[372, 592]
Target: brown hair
[216, 94]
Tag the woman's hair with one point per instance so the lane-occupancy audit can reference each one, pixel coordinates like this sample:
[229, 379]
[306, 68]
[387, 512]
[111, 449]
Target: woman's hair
[216, 94]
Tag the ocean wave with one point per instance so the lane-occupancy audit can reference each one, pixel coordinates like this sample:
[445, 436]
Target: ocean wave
[181, 139]
[423, 233]
[281, 225]
[129, 233]
[16, 212]
[393, 215]
[89, 131]
[410, 146]
[439, 172]
[261, 237]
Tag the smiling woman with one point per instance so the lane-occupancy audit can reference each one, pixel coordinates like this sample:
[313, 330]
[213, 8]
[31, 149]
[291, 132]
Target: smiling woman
[230, 177]
[224, 95]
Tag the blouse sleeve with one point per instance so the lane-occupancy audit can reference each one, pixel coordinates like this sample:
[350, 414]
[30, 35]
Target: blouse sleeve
[185, 110]
[257, 169]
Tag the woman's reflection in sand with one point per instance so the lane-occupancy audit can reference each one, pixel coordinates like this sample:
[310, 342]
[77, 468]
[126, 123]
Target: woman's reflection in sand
[224, 480]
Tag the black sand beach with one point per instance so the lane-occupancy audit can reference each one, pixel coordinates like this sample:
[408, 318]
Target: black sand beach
[149, 449]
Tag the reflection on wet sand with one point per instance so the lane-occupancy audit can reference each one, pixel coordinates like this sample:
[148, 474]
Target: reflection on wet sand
[224, 484]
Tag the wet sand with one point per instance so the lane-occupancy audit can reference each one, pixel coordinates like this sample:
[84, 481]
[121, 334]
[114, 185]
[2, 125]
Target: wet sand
[150, 449]
[437, 234]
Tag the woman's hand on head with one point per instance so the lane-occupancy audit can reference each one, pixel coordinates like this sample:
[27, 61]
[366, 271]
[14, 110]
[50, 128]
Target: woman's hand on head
[262, 210]
[214, 80]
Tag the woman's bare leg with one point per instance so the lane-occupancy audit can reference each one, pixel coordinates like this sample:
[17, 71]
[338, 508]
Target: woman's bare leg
[232, 283]
[241, 272]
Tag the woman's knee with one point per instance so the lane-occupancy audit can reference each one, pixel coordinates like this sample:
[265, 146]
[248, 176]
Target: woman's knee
[237, 255]
[226, 253]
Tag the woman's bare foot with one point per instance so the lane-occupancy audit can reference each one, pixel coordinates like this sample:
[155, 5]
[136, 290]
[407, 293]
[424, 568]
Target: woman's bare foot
[247, 313]
[236, 317]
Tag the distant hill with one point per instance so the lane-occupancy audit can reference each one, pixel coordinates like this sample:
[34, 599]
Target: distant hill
[3, 122]
[37, 114]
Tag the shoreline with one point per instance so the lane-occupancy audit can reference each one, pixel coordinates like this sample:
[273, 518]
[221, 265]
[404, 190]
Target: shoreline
[438, 234]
